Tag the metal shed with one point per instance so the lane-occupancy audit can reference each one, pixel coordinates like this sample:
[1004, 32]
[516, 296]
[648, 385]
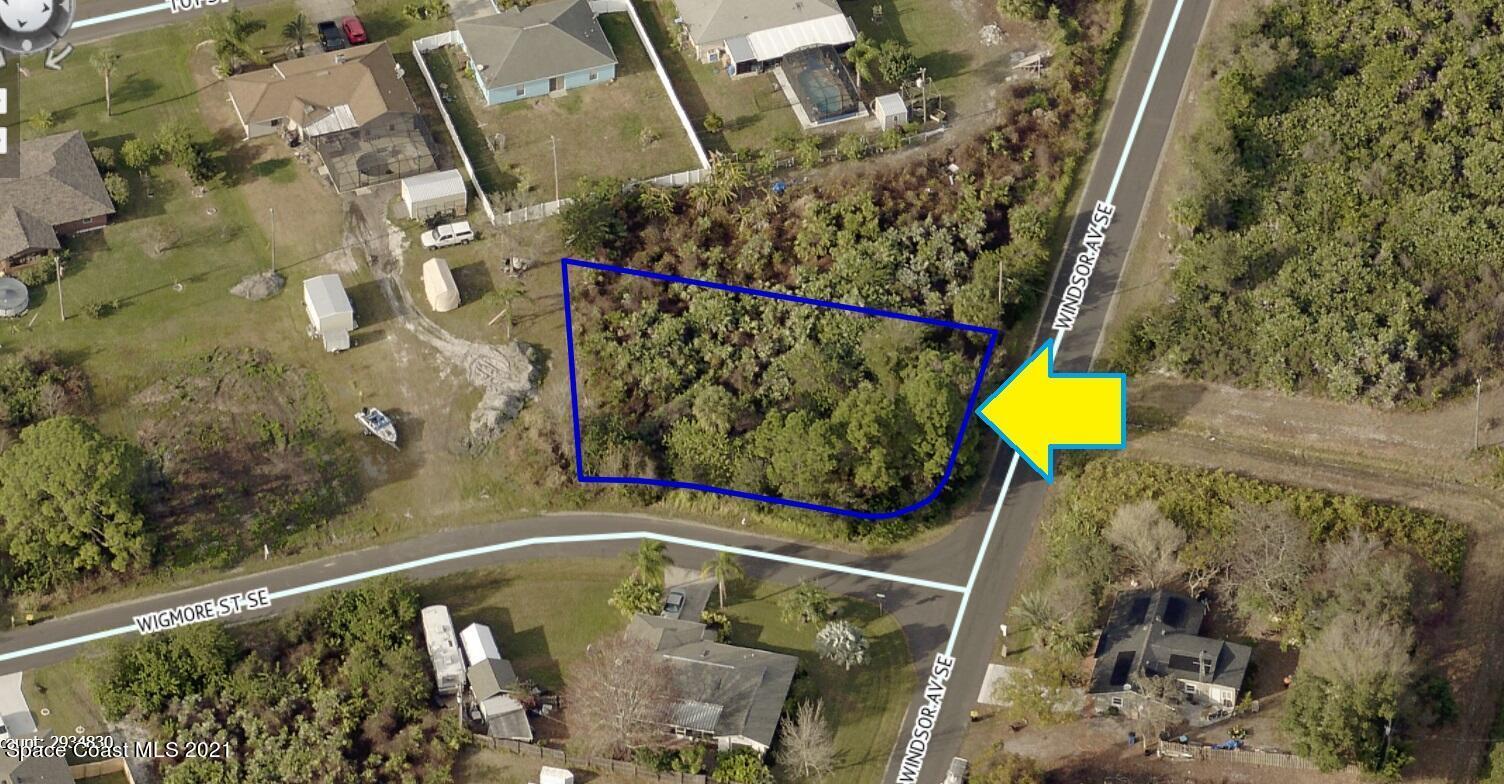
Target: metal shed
[330, 314]
[435, 193]
[479, 644]
[890, 111]
[439, 286]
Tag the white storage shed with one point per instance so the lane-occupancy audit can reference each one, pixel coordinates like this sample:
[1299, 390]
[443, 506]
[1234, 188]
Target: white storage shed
[438, 284]
[890, 111]
[443, 650]
[434, 193]
[479, 644]
[330, 314]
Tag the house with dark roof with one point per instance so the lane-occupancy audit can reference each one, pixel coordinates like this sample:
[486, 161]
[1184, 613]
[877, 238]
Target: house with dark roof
[748, 36]
[351, 105]
[727, 693]
[59, 193]
[545, 48]
[1158, 633]
[34, 770]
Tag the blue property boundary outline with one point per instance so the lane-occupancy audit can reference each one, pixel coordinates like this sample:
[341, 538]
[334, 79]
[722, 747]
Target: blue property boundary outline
[574, 397]
[1048, 472]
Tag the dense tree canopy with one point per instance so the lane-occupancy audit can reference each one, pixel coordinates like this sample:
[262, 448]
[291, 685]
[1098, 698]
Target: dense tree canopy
[801, 402]
[1345, 211]
[339, 693]
[69, 501]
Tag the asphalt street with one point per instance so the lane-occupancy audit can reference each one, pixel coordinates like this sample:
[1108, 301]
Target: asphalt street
[978, 637]
[927, 614]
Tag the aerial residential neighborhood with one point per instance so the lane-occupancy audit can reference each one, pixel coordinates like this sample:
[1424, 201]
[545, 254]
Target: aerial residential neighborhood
[750, 392]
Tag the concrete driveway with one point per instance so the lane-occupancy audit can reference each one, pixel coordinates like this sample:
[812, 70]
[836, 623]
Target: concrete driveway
[13, 709]
[469, 9]
[332, 10]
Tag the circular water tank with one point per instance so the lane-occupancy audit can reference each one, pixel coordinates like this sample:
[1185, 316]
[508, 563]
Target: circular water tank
[13, 297]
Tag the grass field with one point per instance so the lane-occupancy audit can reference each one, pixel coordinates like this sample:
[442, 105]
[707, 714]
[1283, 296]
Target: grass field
[754, 108]
[62, 690]
[625, 128]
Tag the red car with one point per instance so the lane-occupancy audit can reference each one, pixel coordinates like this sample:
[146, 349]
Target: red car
[355, 32]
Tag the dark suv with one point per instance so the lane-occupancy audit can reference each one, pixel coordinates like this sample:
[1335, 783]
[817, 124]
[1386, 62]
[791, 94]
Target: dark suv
[331, 37]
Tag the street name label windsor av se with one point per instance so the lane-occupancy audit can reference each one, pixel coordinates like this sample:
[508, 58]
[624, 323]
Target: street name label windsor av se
[924, 724]
[1084, 265]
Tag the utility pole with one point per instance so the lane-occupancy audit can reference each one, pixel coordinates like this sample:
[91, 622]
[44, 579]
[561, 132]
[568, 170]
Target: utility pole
[1477, 411]
[57, 263]
[554, 143]
[273, 211]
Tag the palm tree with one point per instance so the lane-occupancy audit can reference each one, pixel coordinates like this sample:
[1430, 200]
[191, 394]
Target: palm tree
[297, 31]
[724, 568]
[105, 62]
[863, 55]
[1035, 612]
[231, 34]
[649, 561]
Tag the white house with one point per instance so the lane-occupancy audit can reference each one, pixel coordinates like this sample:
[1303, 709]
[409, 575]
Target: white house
[747, 36]
[330, 314]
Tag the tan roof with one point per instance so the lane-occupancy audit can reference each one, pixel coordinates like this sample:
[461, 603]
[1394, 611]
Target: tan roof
[362, 80]
[59, 184]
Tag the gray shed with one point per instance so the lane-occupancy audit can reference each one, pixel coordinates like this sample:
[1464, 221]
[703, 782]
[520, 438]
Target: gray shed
[434, 193]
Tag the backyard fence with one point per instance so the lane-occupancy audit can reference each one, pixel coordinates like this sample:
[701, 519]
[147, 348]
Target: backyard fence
[603, 764]
[531, 212]
[679, 179]
[1272, 759]
[428, 44]
[668, 86]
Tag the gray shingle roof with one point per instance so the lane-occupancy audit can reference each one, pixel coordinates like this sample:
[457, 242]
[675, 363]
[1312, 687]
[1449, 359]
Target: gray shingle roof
[490, 677]
[747, 685]
[59, 184]
[712, 21]
[1158, 633]
[540, 41]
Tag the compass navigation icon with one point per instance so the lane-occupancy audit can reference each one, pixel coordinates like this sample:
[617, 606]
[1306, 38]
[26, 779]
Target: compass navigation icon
[30, 26]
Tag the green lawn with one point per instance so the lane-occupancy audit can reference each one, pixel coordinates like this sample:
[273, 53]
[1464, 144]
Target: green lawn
[544, 613]
[62, 690]
[866, 704]
[948, 45]
[754, 108]
[624, 128]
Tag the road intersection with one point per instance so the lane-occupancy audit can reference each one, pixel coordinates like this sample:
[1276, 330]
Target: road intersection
[948, 596]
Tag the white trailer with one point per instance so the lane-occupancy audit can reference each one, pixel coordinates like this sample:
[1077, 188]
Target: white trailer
[443, 650]
[479, 644]
[330, 314]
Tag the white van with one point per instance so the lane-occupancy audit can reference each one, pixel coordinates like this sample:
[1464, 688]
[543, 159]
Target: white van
[447, 234]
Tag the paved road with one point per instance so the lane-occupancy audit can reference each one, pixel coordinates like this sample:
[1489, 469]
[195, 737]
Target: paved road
[99, 19]
[978, 636]
[926, 614]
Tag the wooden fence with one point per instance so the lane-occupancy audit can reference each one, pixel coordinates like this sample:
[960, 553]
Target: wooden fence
[565, 759]
[1271, 759]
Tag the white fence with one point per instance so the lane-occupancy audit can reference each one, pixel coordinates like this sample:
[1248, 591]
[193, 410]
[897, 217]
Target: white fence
[531, 212]
[679, 179]
[428, 44]
[668, 86]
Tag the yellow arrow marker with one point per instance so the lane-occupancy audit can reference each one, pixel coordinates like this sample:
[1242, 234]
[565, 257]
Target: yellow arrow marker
[1038, 411]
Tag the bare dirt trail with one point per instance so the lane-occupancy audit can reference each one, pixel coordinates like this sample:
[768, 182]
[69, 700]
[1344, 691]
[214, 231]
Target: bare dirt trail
[507, 374]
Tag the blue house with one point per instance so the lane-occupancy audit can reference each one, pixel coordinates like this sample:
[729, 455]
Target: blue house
[545, 48]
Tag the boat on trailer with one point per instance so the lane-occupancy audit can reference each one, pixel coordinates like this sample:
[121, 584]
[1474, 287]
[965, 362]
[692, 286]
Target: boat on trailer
[378, 424]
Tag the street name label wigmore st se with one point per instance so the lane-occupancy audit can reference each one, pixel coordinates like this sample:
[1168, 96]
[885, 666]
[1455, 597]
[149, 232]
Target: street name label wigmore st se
[206, 610]
[924, 724]
[1083, 266]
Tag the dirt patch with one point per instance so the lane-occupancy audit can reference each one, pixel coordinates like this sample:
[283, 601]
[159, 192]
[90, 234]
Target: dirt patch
[507, 374]
[247, 452]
